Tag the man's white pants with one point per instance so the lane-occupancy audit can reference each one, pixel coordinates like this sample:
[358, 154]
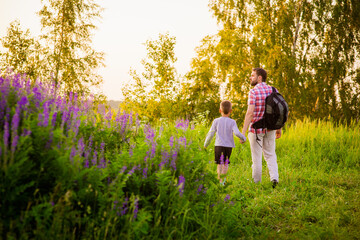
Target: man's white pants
[267, 141]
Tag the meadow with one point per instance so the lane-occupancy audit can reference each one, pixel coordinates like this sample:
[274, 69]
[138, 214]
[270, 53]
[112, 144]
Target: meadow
[71, 168]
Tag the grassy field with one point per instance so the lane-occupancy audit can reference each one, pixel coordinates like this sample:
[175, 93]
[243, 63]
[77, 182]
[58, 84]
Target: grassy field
[318, 194]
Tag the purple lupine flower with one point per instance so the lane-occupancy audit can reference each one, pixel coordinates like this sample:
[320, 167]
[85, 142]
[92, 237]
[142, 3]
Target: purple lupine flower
[76, 127]
[14, 143]
[6, 131]
[102, 163]
[199, 189]
[94, 160]
[53, 119]
[72, 153]
[149, 133]
[204, 191]
[23, 101]
[124, 207]
[15, 121]
[131, 119]
[136, 207]
[153, 150]
[81, 145]
[108, 116]
[123, 169]
[137, 121]
[165, 158]
[49, 142]
[173, 161]
[145, 172]
[182, 124]
[131, 152]
[181, 185]
[227, 161]
[146, 159]
[115, 203]
[182, 141]
[227, 198]
[131, 172]
[52, 203]
[86, 165]
[222, 159]
[171, 141]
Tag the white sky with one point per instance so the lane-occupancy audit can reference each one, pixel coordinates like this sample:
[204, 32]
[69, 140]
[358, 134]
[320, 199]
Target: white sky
[125, 26]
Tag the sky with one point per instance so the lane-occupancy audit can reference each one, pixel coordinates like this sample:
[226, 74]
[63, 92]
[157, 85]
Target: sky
[124, 28]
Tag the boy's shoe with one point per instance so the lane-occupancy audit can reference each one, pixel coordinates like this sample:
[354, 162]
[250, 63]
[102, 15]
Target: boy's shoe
[274, 183]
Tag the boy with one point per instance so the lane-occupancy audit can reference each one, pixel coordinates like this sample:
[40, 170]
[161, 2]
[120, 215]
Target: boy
[224, 127]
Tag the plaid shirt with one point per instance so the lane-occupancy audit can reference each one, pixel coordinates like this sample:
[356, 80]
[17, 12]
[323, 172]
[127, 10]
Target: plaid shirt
[257, 97]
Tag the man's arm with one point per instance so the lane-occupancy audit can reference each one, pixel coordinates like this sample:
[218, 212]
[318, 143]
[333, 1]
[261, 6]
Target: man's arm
[248, 117]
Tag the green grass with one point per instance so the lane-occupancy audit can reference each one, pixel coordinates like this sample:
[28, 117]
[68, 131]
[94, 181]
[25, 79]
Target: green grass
[318, 193]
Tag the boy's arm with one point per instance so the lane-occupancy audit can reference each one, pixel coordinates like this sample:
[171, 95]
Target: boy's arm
[210, 135]
[238, 133]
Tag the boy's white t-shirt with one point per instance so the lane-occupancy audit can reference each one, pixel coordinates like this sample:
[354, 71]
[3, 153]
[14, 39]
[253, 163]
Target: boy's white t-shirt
[225, 128]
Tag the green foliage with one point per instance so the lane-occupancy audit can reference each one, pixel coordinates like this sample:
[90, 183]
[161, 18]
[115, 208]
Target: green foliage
[67, 30]
[63, 50]
[309, 49]
[156, 93]
[23, 53]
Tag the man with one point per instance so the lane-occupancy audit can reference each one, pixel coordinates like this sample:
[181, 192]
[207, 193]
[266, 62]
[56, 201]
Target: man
[262, 141]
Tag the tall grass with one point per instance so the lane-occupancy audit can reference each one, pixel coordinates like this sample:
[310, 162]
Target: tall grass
[71, 169]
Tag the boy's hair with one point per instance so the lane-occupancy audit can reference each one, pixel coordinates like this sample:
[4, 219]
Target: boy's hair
[261, 72]
[225, 106]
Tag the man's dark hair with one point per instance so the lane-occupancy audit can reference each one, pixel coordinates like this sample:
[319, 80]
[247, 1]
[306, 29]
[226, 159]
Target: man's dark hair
[261, 72]
[225, 106]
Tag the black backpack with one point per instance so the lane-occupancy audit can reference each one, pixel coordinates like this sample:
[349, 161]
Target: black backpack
[276, 112]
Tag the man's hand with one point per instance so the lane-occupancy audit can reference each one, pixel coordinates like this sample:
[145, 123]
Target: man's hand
[278, 133]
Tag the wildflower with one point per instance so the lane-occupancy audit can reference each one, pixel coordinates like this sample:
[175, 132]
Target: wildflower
[72, 153]
[131, 152]
[136, 207]
[173, 162]
[81, 145]
[181, 184]
[132, 171]
[149, 133]
[48, 144]
[222, 159]
[199, 189]
[182, 124]
[182, 141]
[53, 119]
[23, 101]
[145, 172]
[153, 150]
[115, 203]
[227, 198]
[171, 141]
[15, 121]
[14, 143]
[86, 165]
[123, 169]
[6, 131]
[94, 160]
[124, 207]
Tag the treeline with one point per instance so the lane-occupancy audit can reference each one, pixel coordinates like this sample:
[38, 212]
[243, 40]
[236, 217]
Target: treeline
[309, 48]
[63, 52]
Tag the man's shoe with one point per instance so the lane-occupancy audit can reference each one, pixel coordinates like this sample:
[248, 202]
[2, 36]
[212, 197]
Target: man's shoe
[274, 183]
